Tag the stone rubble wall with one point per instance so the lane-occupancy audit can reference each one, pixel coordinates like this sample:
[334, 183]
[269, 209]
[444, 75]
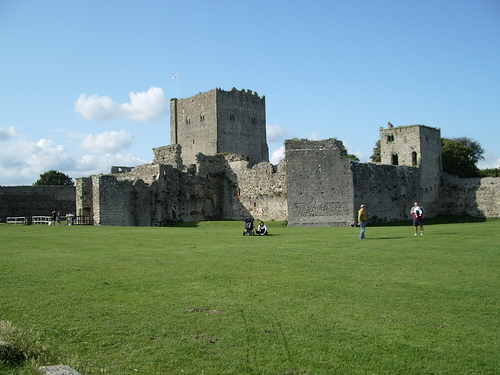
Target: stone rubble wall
[170, 155]
[31, 201]
[84, 196]
[260, 189]
[319, 183]
[388, 191]
[225, 187]
[218, 187]
[315, 185]
[478, 197]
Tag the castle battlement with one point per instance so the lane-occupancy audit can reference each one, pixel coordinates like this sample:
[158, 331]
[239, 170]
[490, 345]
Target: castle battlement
[220, 121]
[234, 90]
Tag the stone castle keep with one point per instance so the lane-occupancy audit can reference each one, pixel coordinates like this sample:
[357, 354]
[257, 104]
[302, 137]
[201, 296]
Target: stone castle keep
[217, 167]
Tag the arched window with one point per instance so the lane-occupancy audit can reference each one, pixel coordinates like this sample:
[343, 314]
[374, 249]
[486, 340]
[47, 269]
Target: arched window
[414, 159]
[395, 159]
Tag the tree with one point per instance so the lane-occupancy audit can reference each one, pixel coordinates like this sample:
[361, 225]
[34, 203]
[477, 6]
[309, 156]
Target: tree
[376, 156]
[54, 177]
[352, 157]
[476, 150]
[459, 159]
[491, 172]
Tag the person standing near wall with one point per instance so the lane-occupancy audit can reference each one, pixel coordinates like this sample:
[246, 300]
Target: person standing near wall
[418, 218]
[362, 220]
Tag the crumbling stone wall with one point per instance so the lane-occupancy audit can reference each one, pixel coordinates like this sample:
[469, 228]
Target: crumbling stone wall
[315, 185]
[31, 201]
[319, 183]
[388, 191]
[84, 197]
[225, 186]
[478, 197]
[170, 155]
[130, 198]
[325, 189]
[260, 190]
[217, 187]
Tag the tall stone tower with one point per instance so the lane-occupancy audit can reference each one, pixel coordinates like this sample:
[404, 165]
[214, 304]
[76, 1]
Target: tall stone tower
[220, 121]
[415, 146]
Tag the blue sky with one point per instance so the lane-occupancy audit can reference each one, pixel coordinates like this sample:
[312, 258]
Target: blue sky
[85, 85]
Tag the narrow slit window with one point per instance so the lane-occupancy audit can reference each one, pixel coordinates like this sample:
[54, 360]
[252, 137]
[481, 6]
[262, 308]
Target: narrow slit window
[414, 159]
[395, 159]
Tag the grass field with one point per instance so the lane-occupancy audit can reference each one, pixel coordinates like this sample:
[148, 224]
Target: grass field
[206, 300]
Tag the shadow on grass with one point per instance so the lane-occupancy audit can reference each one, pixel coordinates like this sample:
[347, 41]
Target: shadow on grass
[389, 237]
[440, 219]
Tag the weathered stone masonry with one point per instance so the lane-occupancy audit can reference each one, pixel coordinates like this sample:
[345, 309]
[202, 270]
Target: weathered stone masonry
[219, 121]
[217, 168]
[320, 183]
[222, 187]
[31, 201]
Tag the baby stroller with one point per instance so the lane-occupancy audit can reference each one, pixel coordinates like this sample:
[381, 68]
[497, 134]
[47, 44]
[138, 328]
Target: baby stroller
[248, 227]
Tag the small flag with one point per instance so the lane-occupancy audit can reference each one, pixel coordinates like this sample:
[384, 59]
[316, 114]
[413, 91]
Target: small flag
[176, 76]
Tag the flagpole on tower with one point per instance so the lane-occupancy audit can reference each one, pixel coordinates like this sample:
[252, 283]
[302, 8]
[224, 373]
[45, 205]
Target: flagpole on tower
[176, 77]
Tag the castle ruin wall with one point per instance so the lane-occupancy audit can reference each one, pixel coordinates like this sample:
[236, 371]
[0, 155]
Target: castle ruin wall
[170, 155]
[319, 183]
[314, 186]
[31, 201]
[260, 190]
[241, 124]
[219, 121]
[193, 124]
[417, 146]
[478, 197]
[388, 191]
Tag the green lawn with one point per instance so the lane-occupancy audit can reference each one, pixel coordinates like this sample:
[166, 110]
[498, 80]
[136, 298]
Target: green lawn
[206, 300]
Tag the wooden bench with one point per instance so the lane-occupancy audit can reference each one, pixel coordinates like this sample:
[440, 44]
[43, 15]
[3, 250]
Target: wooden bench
[16, 220]
[41, 220]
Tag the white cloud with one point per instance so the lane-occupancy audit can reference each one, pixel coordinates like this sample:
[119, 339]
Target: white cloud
[489, 164]
[490, 160]
[8, 133]
[22, 161]
[314, 136]
[49, 156]
[107, 142]
[276, 133]
[145, 106]
[88, 165]
[277, 155]
[361, 156]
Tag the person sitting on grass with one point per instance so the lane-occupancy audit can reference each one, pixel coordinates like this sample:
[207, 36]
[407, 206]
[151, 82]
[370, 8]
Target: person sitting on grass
[261, 229]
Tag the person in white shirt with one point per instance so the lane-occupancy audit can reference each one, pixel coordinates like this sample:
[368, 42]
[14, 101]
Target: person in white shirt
[261, 229]
[418, 218]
